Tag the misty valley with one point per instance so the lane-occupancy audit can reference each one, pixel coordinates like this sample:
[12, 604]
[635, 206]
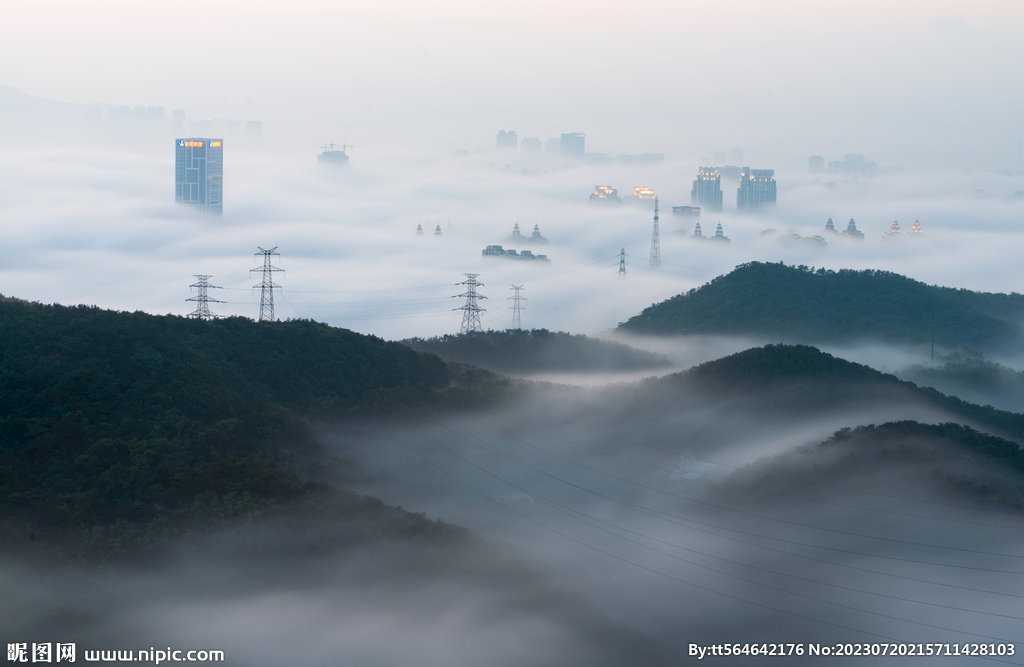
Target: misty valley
[781, 458]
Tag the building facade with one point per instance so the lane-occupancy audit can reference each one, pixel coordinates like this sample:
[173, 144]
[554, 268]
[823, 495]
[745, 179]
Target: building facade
[604, 194]
[707, 190]
[507, 139]
[199, 173]
[572, 145]
[757, 189]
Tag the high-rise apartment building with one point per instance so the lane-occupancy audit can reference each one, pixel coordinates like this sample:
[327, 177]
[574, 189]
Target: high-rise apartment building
[757, 189]
[572, 144]
[707, 190]
[531, 144]
[199, 173]
[816, 164]
[507, 139]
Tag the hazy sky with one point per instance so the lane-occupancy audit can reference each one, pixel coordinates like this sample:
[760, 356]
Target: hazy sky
[907, 83]
[87, 212]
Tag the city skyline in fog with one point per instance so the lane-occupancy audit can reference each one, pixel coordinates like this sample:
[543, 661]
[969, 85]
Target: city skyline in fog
[87, 201]
[930, 85]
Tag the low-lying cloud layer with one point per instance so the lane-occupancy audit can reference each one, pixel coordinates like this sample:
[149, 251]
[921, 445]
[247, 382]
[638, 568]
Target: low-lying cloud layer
[98, 225]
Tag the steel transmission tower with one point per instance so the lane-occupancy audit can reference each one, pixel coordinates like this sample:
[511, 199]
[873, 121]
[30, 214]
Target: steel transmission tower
[517, 306]
[202, 311]
[471, 311]
[267, 285]
[655, 241]
[622, 263]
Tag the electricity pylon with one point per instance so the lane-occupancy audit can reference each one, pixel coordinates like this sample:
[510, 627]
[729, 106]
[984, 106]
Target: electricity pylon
[202, 311]
[622, 263]
[471, 311]
[516, 306]
[655, 241]
[267, 285]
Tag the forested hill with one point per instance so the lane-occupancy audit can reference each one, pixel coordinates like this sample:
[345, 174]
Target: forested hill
[798, 304]
[791, 379]
[109, 416]
[530, 350]
[917, 458]
[772, 363]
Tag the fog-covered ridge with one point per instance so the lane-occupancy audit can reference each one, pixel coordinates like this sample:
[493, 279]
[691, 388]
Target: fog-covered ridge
[800, 304]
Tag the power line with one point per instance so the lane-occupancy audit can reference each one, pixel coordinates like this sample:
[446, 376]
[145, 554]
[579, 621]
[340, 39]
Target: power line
[267, 285]
[655, 240]
[572, 514]
[202, 299]
[516, 306]
[471, 310]
[768, 474]
[720, 482]
[754, 515]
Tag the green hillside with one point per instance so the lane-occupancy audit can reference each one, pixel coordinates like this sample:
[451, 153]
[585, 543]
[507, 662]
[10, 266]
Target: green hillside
[950, 458]
[971, 377]
[113, 418]
[798, 304]
[800, 380]
[530, 350]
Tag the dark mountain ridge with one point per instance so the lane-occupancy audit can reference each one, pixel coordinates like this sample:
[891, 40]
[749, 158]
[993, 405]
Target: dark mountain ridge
[114, 418]
[799, 304]
[533, 350]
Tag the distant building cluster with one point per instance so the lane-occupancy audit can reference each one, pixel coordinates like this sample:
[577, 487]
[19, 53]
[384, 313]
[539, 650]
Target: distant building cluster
[686, 213]
[851, 232]
[155, 117]
[853, 164]
[571, 146]
[331, 156]
[607, 195]
[756, 189]
[517, 237]
[437, 230]
[895, 233]
[525, 255]
[719, 236]
[792, 238]
[604, 194]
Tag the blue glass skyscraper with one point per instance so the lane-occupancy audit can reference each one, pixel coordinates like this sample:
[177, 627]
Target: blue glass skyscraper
[199, 173]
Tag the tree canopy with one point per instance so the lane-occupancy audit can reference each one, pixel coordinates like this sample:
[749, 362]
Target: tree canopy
[800, 304]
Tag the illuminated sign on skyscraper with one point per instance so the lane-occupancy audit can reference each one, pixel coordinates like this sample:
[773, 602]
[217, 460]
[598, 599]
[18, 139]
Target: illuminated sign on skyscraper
[199, 173]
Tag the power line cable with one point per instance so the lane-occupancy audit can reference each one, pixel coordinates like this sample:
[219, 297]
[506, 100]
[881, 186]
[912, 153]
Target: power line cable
[766, 474]
[754, 514]
[513, 485]
[748, 488]
[645, 509]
